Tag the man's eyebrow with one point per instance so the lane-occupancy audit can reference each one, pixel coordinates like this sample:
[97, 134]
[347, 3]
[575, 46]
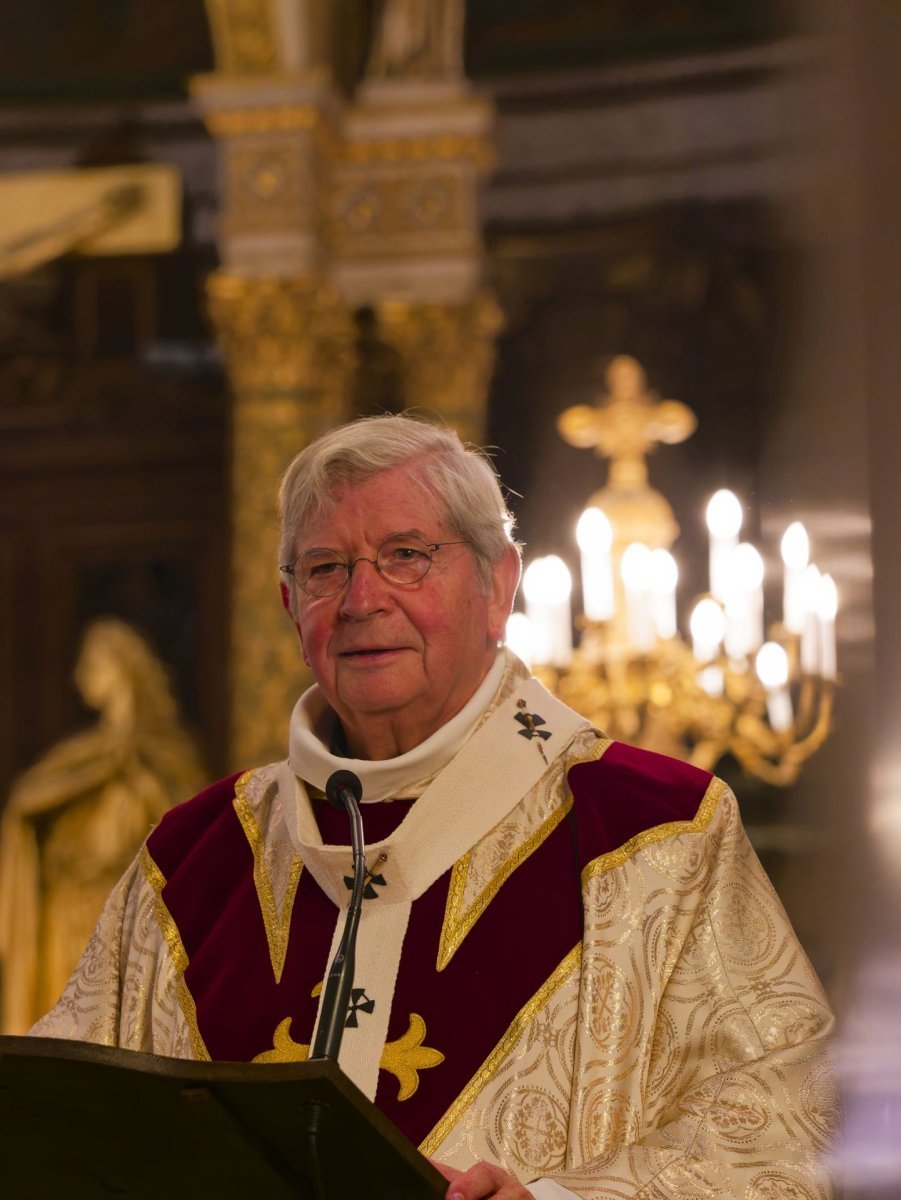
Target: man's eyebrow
[417, 533]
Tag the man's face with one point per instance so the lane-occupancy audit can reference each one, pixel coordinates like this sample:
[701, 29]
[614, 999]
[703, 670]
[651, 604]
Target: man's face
[404, 657]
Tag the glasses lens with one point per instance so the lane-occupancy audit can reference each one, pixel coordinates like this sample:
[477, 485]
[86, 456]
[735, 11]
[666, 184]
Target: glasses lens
[404, 559]
[321, 572]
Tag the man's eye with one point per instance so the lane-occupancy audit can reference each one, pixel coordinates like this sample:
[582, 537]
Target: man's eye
[325, 568]
[406, 554]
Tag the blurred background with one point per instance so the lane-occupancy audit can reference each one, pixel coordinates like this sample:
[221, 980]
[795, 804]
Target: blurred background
[227, 226]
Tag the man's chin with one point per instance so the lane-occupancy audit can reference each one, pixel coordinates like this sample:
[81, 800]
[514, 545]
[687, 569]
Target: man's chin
[378, 694]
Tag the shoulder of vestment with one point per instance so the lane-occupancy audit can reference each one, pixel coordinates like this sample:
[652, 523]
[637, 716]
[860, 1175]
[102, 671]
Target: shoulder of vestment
[630, 790]
[186, 825]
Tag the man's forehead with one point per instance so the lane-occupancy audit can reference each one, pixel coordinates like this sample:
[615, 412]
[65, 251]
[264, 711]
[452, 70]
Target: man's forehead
[394, 501]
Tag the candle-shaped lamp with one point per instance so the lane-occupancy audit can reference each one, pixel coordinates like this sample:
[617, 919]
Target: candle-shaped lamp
[744, 602]
[827, 607]
[547, 585]
[664, 577]
[636, 572]
[594, 533]
[520, 637]
[795, 557]
[772, 670]
[810, 632]
[724, 518]
[708, 625]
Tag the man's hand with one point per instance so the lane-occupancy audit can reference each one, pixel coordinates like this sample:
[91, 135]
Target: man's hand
[484, 1179]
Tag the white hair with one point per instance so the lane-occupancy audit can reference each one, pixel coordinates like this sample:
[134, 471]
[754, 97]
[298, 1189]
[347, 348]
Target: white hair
[458, 475]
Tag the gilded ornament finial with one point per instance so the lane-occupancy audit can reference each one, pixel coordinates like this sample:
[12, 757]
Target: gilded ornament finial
[627, 425]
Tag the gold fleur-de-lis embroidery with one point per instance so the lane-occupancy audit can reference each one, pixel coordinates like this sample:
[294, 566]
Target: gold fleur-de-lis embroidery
[284, 1048]
[406, 1057]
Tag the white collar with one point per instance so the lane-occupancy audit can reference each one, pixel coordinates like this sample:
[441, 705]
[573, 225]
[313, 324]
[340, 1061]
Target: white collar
[313, 722]
[496, 765]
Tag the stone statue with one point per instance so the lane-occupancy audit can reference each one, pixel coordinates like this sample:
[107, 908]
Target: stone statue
[418, 39]
[76, 818]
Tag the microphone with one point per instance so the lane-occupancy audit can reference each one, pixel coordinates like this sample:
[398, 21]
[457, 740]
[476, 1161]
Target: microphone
[338, 784]
[344, 790]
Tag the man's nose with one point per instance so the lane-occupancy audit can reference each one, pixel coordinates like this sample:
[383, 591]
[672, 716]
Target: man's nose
[364, 592]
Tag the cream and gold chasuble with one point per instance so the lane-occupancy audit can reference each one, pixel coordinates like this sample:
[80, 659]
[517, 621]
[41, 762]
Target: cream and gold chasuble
[570, 962]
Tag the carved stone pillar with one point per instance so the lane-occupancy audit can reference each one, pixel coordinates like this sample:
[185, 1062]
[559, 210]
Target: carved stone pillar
[448, 356]
[405, 239]
[288, 344]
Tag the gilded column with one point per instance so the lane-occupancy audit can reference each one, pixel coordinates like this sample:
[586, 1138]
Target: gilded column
[288, 346]
[448, 355]
[404, 225]
[287, 340]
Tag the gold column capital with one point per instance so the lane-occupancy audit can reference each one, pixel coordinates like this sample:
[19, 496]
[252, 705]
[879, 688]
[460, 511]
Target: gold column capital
[280, 335]
[448, 352]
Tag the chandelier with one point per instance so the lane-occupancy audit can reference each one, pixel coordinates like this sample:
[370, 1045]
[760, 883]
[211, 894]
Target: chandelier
[764, 697]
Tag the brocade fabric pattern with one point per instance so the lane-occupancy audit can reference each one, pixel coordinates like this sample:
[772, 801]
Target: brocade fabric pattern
[675, 1051]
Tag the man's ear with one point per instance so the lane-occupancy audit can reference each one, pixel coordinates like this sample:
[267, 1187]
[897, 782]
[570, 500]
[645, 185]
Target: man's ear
[286, 604]
[504, 582]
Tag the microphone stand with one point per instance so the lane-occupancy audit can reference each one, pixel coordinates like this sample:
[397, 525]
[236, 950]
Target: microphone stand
[336, 994]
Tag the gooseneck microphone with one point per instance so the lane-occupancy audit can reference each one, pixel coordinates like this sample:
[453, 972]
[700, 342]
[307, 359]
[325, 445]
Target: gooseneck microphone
[344, 790]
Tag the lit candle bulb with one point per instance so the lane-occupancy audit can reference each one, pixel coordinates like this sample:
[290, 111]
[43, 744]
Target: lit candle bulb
[724, 518]
[707, 625]
[827, 607]
[744, 602]
[664, 575]
[547, 585]
[772, 670]
[594, 533]
[810, 633]
[520, 637]
[795, 557]
[636, 572]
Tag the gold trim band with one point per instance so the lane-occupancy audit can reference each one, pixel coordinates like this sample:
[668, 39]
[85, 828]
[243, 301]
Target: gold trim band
[157, 881]
[278, 924]
[456, 927]
[650, 837]
[492, 1063]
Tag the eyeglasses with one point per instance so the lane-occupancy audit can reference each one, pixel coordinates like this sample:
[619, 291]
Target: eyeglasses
[402, 558]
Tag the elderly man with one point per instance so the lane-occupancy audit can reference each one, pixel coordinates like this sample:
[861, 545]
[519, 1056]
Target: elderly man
[572, 976]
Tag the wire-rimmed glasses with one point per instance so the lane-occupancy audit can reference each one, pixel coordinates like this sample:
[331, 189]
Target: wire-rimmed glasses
[402, 558]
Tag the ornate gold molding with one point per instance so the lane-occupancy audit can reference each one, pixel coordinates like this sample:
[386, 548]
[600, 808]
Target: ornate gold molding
[270, 188]
[243, 122]
[438, 147]
[281, 335]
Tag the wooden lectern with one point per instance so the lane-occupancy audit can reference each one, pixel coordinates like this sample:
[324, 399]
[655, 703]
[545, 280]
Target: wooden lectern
[85, 1122]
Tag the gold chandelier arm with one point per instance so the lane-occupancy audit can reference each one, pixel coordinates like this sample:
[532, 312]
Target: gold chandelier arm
[778, 759]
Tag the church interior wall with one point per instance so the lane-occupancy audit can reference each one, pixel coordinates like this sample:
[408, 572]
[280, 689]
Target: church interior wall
[674, 204]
